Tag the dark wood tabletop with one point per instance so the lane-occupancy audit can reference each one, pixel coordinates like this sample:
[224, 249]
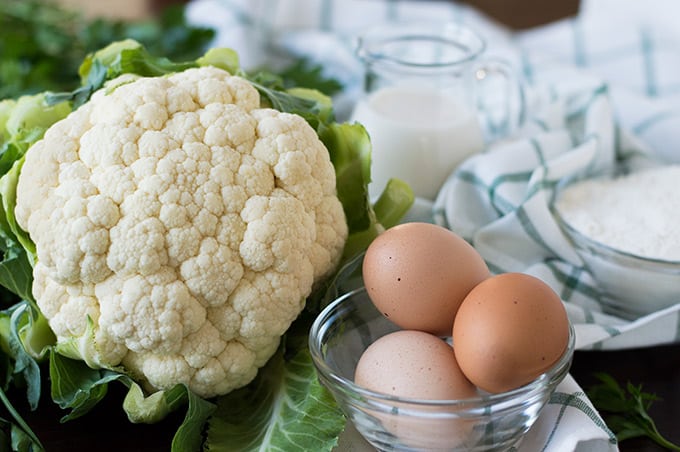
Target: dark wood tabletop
[106, 428]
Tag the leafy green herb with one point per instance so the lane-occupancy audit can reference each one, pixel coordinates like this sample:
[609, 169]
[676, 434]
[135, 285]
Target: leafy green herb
[42, 44]
[626, 410]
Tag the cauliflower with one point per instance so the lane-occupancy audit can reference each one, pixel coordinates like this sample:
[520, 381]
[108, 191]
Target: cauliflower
[179, 227]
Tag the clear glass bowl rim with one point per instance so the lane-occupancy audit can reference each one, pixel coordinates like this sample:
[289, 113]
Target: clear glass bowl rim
[552, 376]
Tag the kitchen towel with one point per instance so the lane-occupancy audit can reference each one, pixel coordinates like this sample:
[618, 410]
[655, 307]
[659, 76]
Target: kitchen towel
[601, 94]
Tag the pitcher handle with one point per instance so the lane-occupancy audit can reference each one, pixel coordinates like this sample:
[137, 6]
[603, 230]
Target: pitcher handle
[500, 98]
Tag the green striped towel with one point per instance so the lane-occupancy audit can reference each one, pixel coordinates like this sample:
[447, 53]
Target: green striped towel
[500, 201]
[582, 119]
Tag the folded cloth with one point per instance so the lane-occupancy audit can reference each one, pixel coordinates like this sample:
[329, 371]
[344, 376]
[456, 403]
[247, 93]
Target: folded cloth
[569, 423]
[598, 91]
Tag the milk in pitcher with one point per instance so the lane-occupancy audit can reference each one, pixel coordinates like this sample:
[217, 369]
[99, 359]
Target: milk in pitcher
[419, 134]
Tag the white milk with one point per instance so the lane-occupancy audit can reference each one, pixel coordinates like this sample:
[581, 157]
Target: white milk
[419, 135]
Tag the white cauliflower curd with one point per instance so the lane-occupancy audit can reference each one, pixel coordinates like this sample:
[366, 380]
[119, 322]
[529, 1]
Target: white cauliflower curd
[179, 227]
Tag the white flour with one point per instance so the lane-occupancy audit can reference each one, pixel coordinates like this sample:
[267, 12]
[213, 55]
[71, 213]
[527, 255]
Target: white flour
[638, 213]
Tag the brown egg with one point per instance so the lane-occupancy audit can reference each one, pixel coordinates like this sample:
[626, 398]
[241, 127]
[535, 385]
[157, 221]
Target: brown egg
[415, 364]
[417, 274]
[509, 330]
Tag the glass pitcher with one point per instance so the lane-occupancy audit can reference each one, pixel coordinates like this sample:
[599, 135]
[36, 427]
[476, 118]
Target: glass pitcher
[427, 103]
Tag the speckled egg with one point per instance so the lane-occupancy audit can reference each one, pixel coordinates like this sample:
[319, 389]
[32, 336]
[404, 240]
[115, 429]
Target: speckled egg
[413, 364]
[417, 274]
[416, 365]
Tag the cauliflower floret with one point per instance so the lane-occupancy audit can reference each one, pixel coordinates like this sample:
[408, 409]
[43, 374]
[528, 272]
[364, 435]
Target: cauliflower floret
[179, 225]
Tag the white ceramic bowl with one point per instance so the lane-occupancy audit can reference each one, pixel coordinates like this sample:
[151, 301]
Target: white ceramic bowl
[630, 285]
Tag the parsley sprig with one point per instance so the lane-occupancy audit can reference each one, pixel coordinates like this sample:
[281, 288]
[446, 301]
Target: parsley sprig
[626, 410]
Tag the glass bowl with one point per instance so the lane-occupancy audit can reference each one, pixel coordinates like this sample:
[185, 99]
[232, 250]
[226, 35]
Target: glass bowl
[630, 285]
[493, 422]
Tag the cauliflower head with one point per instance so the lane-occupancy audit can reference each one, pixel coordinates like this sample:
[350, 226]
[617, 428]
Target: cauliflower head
[179, 227]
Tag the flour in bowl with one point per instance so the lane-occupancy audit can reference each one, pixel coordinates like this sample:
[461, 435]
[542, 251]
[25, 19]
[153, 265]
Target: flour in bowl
[638, 213]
